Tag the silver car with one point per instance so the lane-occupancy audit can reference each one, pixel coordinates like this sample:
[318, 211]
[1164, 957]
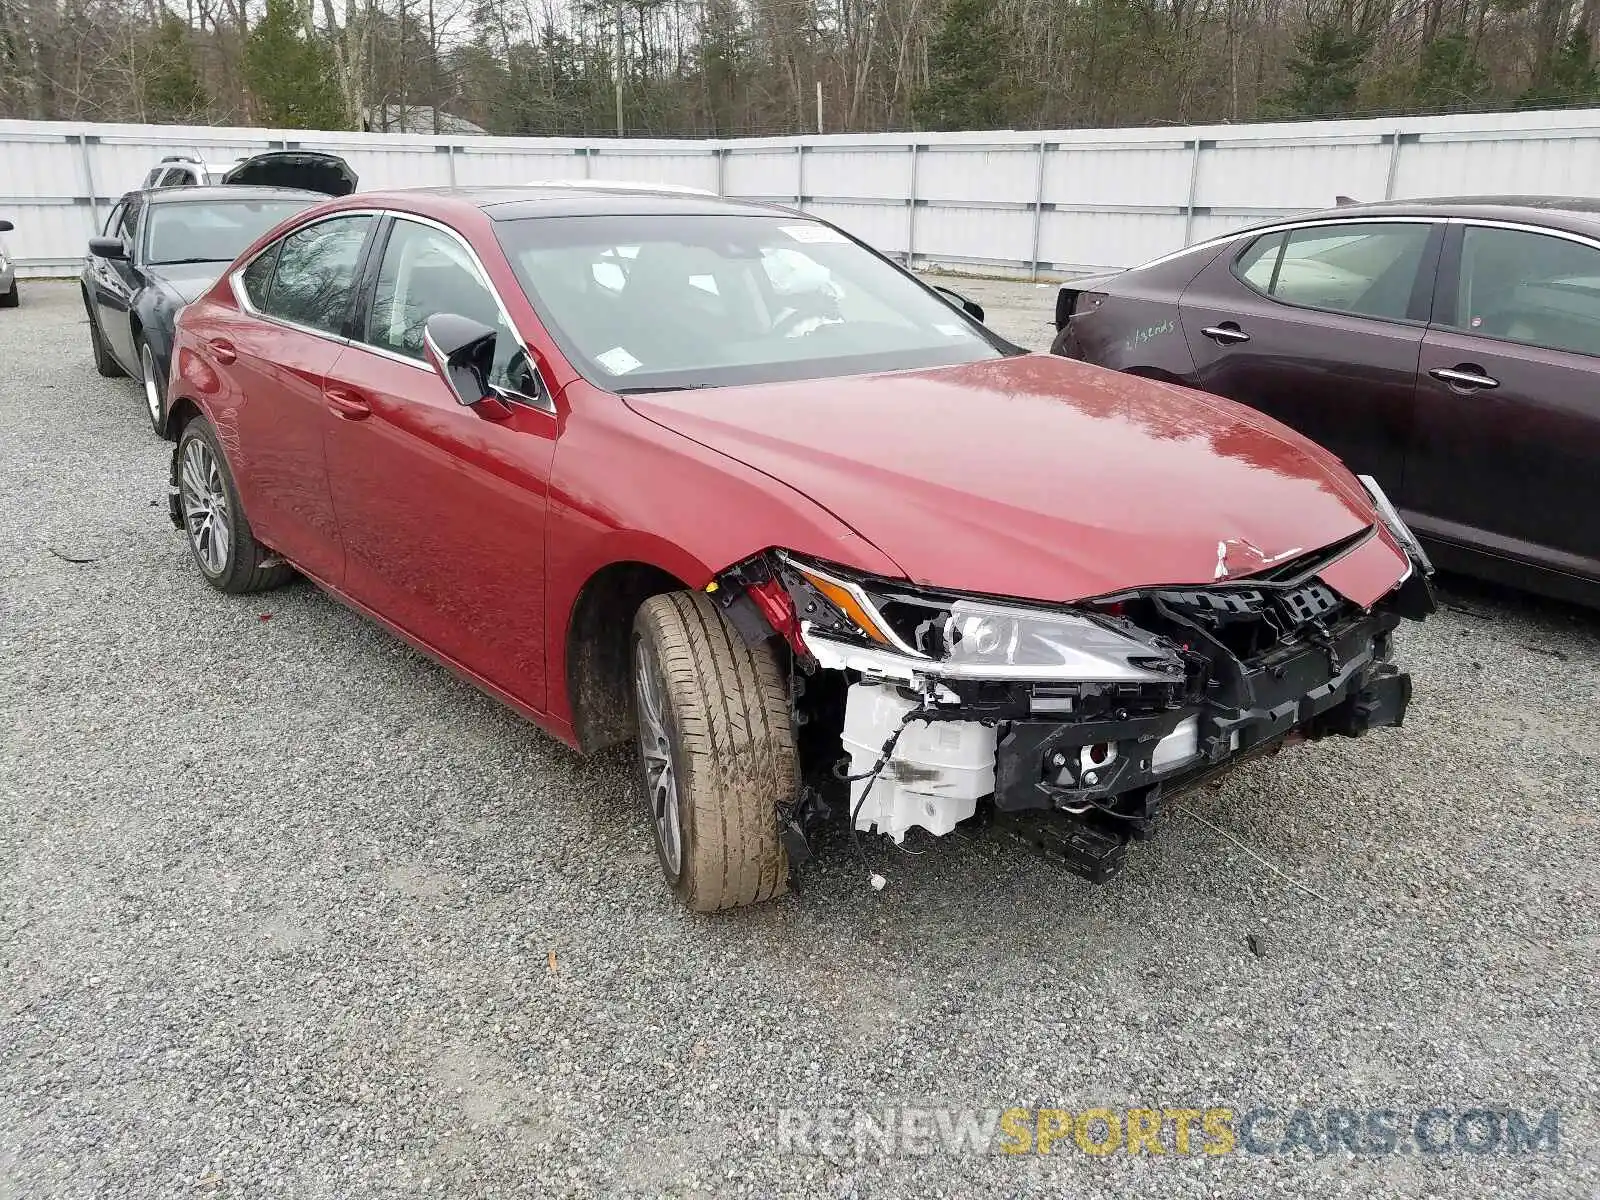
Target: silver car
[8, 273]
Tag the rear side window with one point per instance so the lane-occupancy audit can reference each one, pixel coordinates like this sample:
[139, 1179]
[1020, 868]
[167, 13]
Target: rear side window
[1368, 269]
[257, 277]
[1529, 288]
[314, 276]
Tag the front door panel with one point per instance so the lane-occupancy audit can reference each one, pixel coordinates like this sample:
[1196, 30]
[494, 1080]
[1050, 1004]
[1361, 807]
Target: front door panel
[443, 515]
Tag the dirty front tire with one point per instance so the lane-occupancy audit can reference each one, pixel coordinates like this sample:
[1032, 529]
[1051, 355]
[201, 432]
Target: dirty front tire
[219, 536]
[715, 731]
[12, 298]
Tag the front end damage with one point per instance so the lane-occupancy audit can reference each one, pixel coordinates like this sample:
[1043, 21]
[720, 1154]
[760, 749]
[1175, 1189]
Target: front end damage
[1068, 727]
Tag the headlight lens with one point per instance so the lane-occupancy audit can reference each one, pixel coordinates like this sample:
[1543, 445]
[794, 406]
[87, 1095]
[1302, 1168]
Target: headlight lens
[999, 641]
[981, 639]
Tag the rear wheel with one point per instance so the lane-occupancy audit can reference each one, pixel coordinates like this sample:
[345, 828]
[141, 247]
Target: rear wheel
[220, 540]
[103, 361]
[716, 752]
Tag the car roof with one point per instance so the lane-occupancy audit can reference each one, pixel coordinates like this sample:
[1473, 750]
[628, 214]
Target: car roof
[570, 200]
[225, 191]
[1576, 213]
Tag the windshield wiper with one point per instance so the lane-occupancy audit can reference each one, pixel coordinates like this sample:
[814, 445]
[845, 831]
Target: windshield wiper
[185, 262]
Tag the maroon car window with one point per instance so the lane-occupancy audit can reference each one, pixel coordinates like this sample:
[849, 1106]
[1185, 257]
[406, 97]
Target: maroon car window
[1365, 268]
[1530, 288]
[315, 274]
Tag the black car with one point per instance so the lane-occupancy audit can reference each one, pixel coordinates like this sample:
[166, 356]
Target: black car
[1449, 348]
[161, 247]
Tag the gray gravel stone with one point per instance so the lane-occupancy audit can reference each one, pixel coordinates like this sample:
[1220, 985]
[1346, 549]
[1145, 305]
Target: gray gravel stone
[286, 910]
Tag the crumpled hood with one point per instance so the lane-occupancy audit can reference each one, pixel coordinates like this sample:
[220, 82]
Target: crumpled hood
[1035, 476]
[187, 280]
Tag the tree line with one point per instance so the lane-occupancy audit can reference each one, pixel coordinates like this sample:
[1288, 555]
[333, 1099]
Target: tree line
[752, 67]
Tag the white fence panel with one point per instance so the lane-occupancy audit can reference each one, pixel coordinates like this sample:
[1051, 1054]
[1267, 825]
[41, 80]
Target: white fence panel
[1052, 202]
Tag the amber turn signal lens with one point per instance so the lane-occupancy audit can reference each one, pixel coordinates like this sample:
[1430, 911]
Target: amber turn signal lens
[845, 601]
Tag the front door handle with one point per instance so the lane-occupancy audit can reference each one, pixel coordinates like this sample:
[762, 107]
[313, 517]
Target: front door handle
[1467, 377]
[222, 350]
[346, 403]
[1226, 334]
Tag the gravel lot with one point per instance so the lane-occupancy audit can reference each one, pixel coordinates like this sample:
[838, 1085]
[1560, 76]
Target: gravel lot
[286, 910]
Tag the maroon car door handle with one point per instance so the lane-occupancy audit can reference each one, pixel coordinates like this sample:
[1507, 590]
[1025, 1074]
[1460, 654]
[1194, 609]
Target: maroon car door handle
[1467, 377]
[1226, 334]
[346, 403]
[222, 350]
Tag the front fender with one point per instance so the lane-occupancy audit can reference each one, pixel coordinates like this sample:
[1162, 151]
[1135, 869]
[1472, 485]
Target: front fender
[625, 490]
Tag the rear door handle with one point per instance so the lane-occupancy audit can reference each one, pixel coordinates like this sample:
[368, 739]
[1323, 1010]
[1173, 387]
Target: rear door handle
[1226, 334]
[1466, 376]
[346, 403]
[222, 350]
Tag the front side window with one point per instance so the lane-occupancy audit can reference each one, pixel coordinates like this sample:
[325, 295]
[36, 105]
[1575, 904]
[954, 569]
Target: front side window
[315, 274]
[1367, 269]
[668, 301]
[1530, 288]
[426, 272]
[212, 231]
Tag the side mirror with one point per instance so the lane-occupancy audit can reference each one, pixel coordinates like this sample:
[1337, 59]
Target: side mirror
[462, 351]
[6, 226]
[971, 307]
[107, 247]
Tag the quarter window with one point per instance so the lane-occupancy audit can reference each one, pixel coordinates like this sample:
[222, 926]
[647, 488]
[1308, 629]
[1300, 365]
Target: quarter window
[426, 272]
[1366, 269]
[315, 273]
[113, 226]
[257, 277]
[1530, 288]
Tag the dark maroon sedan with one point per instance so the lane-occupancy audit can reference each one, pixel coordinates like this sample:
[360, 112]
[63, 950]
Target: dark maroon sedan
[1449, 348]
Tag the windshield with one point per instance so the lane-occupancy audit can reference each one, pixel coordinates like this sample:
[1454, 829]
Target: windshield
[676, 301]
[213, 231]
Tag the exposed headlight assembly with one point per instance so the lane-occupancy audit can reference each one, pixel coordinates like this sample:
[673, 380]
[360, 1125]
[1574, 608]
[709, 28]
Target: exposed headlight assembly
[1390, 516]
[845, 625]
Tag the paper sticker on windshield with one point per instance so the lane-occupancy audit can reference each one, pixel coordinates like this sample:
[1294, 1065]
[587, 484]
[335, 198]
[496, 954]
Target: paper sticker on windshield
[813, 234]
[950, 330]
[618, 361]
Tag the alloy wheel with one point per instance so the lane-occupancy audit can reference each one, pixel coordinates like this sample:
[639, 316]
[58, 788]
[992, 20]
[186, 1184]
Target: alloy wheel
[204, 497]
[655, 747]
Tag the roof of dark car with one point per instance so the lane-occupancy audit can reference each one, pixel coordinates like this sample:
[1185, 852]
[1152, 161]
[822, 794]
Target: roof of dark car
[227, 191]
[516, 203]
[1562, 212]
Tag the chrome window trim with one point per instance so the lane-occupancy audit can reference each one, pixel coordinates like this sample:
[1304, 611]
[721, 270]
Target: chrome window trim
[547, 404]
[236, 276]
[1263, 230]
[1567, 235]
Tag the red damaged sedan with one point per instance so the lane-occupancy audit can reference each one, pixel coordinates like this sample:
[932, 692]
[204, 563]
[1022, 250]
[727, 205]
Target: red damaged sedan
[719, 479]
